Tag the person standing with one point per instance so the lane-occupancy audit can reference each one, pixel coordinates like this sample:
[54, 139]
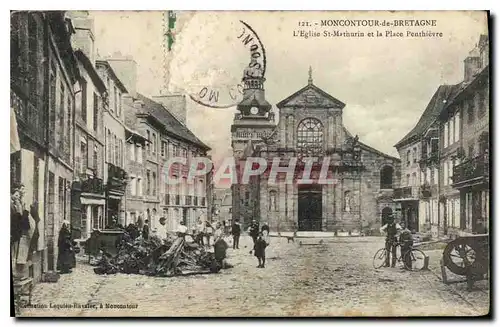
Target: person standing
[218, 233]
[139, 223]
[265, 232]
[25, 228]
[260, 250]
[406, 241]
[162, 229]
[254, 230]
[145, 230]
[209, 230]
[236, 231]
[200, 227]
[65, 246]
[16, 221]
[181, 229]
[224, 227]
[391, 229]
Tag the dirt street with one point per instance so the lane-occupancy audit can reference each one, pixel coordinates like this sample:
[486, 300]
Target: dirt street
[335, 278]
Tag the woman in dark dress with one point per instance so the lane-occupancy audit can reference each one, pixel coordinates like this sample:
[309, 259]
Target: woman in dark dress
[65, 259]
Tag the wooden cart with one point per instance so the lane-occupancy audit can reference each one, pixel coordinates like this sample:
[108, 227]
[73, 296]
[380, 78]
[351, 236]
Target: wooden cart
[105, 240]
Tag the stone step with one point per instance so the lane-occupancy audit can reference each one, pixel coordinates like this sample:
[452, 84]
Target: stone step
[307, 234]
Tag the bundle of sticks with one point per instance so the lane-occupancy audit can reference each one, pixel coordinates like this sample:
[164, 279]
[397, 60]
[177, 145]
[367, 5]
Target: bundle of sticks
[154, 257]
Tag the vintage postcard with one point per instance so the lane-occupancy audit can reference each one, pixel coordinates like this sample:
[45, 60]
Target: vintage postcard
[250, 163]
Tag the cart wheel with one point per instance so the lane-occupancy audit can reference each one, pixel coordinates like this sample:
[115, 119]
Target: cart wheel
[459, 251]
[379, 258]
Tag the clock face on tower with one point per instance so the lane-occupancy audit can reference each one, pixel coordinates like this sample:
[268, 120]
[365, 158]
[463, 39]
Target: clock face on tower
[254, 110]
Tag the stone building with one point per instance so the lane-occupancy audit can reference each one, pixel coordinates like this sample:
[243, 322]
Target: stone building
[87, 195]
[167, 138]
[446, 155]
[115, 176]
[465, 196]
[222, 208]
[360, 193]
[43, 74]
[418, 194]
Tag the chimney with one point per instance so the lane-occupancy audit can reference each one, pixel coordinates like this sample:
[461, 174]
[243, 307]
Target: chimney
[125, 68]
[84, 33]
[175, 104]
[472, 64]
[484, 50]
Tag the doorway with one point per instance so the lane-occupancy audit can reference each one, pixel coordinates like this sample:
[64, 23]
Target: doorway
[412, 219]
[185, 215]
[113, 210]
[310, 211]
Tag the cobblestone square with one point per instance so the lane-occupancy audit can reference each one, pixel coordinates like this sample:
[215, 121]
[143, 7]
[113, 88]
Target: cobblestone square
[334, 278]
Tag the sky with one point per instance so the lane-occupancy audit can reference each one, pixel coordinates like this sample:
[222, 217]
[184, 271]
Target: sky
[386, 83]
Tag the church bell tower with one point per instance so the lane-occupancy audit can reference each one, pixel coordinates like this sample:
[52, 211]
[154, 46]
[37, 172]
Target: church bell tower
[253, 122]
[254, 118]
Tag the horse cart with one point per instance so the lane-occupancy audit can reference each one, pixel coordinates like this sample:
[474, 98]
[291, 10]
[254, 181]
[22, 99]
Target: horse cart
[466, 256]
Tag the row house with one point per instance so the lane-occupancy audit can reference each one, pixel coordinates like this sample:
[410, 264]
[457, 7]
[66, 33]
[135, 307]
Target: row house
[445, 166]
[166, 137]
[406, 196]
[87, 196]
[464, 131]
[44, 72]
[115, 176]
[418, 149]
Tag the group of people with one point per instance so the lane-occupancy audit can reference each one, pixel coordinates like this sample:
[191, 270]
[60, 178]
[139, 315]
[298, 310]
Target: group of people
[397, 234]
[260, 235]
[25, 233]
[203, 232]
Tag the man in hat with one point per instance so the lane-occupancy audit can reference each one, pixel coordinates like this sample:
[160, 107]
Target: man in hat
[236, 231]
[162, 229]
[254, 230]
[145, 230]
[181, 229]
[391, 229]
[406, 241]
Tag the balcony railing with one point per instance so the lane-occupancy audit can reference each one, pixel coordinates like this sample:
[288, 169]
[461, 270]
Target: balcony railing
[116, 177]
[92, 185]
[425, 191]
[429, 158]
[476, 169]
[409, 192]
[116, 172]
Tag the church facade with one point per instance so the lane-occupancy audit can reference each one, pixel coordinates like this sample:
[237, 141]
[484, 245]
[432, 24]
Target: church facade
[310, 136]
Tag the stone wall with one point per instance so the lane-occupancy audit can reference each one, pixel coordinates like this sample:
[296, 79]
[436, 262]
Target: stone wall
[365, 199]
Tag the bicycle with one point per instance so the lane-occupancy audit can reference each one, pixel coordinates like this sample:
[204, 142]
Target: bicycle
[417, 258]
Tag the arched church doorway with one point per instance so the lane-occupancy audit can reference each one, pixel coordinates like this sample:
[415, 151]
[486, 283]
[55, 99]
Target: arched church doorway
[310, 213]
[386, 214]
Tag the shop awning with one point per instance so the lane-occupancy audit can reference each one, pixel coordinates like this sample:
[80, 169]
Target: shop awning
[15, 144]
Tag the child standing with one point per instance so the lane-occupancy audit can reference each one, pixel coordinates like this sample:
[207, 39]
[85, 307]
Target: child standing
[260, 250]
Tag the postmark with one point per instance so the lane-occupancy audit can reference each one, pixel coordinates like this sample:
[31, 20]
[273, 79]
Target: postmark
[219, 88]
